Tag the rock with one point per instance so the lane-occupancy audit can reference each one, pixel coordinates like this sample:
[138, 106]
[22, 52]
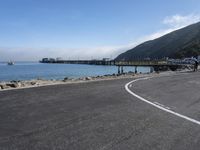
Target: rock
[13, 85]
[23, 84]
[73, 79]
[4, 86]
[88, 78]
[79, 79]
[65, 79]
[85, 78]
[19, 84]
[33, 83]
[1, 86]
[130, 72]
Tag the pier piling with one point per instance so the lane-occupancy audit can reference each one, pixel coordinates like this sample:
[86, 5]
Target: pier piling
[118, 69]
[122, 70]
[135, 69]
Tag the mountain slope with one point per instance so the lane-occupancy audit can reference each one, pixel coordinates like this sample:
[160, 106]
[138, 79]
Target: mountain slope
[184, 42]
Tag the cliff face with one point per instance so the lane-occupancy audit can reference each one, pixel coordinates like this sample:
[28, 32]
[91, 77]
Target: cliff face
[181, 43]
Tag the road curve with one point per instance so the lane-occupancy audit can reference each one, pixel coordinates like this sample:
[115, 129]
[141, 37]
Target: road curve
[156, 104]
[101, 115]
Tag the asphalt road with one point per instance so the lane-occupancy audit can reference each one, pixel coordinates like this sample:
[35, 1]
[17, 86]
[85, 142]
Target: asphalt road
[102, 115]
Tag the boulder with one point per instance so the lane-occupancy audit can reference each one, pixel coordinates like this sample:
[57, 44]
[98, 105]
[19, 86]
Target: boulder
[33, 83]
[79, 79]
[13, 85]
[73, 79]
[4, 86]
[19, 84]
[65, 79]
[88, 78]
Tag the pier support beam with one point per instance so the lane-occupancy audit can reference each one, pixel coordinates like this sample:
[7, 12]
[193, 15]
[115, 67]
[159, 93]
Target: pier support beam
[118, 69]
[122, 70]
[135, 69]
[151, 69]
[156, 68]
[173, 68]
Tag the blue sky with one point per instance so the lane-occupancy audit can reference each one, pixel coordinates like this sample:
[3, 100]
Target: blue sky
[32, 29]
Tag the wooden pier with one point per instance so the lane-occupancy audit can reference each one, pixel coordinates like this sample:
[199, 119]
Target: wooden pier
[155, 65]
[87, 62]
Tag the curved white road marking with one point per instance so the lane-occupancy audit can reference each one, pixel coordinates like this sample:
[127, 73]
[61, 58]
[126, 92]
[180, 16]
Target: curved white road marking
[155, 105]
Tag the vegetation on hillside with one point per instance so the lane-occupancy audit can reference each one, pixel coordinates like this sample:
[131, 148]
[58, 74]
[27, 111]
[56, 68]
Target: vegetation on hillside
[178, 44]
[192, 50]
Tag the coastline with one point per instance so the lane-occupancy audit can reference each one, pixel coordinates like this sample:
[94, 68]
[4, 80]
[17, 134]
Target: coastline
[13, 85]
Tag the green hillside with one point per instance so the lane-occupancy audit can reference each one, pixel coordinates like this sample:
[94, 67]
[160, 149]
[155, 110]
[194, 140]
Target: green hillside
[178, 44]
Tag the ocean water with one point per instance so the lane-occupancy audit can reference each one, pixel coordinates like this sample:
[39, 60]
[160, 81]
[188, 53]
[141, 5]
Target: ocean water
[34, 70]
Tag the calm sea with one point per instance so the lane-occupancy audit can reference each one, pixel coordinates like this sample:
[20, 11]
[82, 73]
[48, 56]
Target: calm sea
[27, 71]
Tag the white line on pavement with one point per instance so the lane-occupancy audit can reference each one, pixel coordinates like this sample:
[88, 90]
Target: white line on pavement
[156, 105]
[161, 105]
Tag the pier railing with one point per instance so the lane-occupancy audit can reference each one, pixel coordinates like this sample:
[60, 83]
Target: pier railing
[141, 63]
[156, 64]
[111, 62]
